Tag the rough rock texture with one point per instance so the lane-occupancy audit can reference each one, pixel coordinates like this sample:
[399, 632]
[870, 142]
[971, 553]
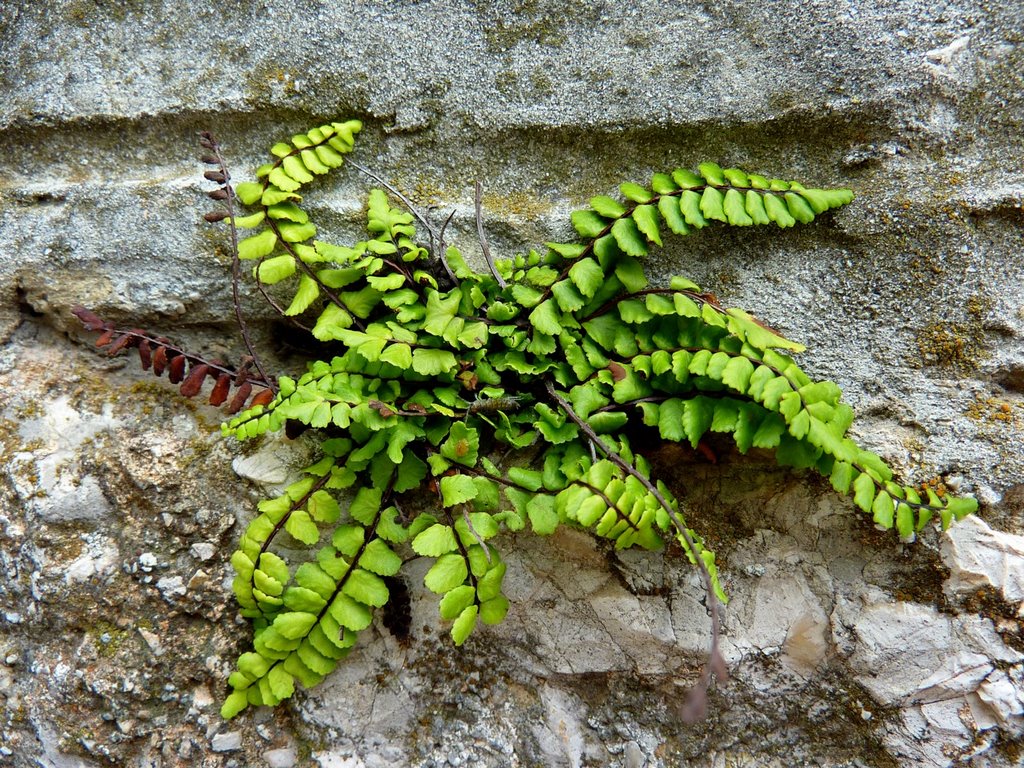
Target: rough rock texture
[118, 500]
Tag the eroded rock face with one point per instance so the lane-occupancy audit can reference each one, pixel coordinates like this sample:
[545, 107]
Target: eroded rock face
[120, 503]
[982, 558]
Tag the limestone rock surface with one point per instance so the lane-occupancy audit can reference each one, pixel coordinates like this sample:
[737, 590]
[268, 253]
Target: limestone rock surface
[120, 503]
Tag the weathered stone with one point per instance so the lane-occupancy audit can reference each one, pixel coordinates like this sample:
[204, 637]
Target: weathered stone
[950, 666]
[99, 559]
[911, 299]
[980, 557]
[203, 550]
[226, 742]
[153, 641]
[281, 758]
[274, 463]
[171, 587]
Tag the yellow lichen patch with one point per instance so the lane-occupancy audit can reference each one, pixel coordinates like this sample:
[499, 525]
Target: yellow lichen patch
[979, 306]
[995, 410]
[958, 346]
[925, 266]
[428, 193]
[29, 410]
[516, 204]
[935, 484]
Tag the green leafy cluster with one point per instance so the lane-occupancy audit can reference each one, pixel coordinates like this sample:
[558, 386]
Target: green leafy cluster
[550, 361]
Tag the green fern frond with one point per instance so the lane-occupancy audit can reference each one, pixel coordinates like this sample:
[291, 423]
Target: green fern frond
[683, 201]
[544, 363]
[320, 612]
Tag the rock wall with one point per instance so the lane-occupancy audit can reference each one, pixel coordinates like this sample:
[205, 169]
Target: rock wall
[120, 503]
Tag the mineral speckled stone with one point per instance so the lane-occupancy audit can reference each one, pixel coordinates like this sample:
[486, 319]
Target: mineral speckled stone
[226, 742]
[980, 557]
[281, 758]
[845, 648]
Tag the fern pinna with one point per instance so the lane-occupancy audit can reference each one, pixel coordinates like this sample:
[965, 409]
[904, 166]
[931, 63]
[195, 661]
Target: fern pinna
[510, 395]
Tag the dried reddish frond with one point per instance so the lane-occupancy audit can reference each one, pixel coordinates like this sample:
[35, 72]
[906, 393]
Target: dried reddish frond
[122, 342]
[160, 361]
[241, 395]
[618, 372]
[220, 390]
[262, 398]
[381, 408]
[193, 383]
[90, 321]
[159, 354]
[176, 369]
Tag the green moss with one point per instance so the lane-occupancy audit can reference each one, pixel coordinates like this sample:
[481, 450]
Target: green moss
[782, 101]
[640, 39]
[541, 21]
[507, 83]
[542, 84]
[108, 638]
[88, 12]
[516, 203]
[265, 81]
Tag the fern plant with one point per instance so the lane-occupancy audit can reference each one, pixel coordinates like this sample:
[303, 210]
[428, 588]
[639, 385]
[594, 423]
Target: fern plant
[514, 397]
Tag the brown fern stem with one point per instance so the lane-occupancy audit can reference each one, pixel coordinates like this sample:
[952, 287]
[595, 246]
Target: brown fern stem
[207, 140]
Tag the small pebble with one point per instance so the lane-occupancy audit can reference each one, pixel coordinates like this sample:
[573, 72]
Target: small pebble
[147, 561]
[226, 742]
[152, 641]
[171, 586]
[203, 550]
[199, 579]
[281, 758]
[201, 697]
[634, 756]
